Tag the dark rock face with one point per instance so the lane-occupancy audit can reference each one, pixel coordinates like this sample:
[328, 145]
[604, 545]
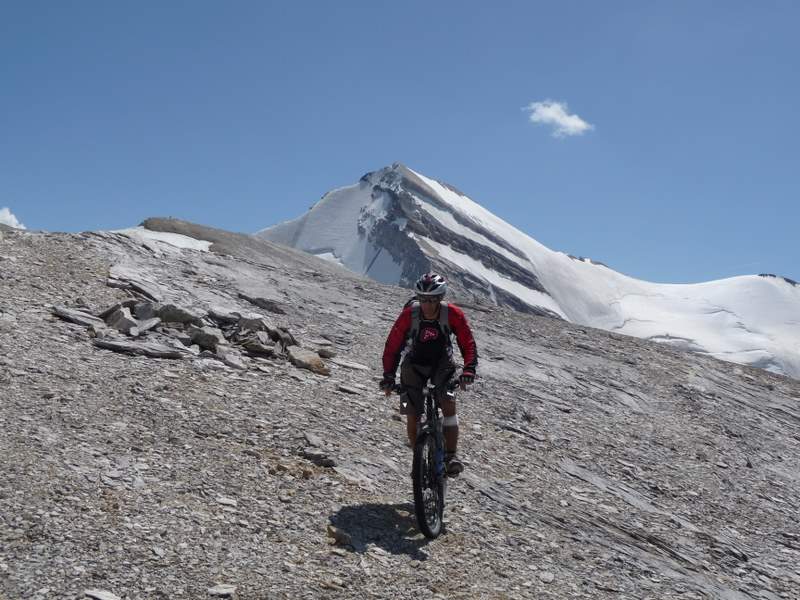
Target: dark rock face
[401, 186]
[791, 282]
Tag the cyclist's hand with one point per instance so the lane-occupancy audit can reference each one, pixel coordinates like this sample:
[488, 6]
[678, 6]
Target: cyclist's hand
[467, 378]
[387, 383]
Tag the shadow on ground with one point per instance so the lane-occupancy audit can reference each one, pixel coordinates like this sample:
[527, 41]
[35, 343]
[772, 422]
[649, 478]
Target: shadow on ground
[388, 526]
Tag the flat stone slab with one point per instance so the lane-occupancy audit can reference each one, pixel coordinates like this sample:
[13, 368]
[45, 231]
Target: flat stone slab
[266, 303]
[349, 365]
[101, 595]
[305, 359]
[126, 275]
[222, 591]
[171, 313]
[144, 326]
[77, 316]
[150, 349]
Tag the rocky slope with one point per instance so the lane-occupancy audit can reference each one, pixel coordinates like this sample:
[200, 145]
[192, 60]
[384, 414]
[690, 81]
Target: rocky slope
[599, 465]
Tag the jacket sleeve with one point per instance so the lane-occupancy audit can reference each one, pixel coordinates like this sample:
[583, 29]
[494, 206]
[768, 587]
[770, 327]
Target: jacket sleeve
[396, 341]
[466, 343]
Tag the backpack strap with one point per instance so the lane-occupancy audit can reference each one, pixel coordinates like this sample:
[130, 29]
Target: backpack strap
[444, 319]
[414, 321]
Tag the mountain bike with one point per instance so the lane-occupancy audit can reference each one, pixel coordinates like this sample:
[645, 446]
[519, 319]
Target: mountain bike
[428, 475]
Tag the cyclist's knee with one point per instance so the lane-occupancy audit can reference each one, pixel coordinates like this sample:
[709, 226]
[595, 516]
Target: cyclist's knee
[448, 405]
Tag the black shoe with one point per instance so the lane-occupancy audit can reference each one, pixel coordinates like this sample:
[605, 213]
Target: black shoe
[453, 466]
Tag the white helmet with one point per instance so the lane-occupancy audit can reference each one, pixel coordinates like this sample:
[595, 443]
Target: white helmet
[431, 284]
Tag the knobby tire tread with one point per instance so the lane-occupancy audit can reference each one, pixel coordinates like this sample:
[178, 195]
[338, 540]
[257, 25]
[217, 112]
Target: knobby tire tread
[418, 479]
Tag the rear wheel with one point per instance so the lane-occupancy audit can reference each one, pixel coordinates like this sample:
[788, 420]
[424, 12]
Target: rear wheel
[428, 487]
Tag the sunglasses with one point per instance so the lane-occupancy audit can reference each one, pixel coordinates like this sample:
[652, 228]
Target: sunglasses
[429, 299]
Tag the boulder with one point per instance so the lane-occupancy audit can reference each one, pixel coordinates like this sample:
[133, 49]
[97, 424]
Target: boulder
[170, 313]
[145, 310]
[144, 326]
[255, 322]
[231, 358]
[115, 307]
[326, 352]
[223, 316]
[126, 277]
[207, 337]
[283, 336]
[121, 320]
[306, 359]
[259, 343]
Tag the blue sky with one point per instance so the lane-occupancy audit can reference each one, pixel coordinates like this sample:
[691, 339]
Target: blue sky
[242, 114]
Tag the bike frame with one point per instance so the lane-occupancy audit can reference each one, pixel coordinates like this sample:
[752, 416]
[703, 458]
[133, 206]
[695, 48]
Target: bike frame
[428, 473]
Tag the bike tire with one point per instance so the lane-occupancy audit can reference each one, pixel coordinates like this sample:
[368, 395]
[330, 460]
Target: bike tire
[428, 488]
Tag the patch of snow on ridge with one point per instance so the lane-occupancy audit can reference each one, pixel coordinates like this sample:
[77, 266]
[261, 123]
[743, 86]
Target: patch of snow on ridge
[331, 229]
[173, 239]
[329, 256]
[447, 220]
[527, 295]
[480, 215]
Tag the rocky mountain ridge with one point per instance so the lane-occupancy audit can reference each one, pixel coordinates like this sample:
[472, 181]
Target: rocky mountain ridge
[396, 223]
[599, 465]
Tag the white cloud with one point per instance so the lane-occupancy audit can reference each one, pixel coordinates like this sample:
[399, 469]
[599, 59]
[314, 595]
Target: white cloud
[548, 112]
[8, 218]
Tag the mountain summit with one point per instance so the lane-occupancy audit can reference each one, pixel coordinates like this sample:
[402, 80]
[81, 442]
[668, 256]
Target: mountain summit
[396, 223]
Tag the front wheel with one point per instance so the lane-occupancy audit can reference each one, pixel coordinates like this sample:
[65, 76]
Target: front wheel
[428, 487]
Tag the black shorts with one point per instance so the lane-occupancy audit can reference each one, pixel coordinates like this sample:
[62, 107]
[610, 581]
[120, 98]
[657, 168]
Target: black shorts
[413, 378]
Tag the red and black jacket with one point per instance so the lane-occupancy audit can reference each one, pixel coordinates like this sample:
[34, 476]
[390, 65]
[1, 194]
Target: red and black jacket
[401, 330]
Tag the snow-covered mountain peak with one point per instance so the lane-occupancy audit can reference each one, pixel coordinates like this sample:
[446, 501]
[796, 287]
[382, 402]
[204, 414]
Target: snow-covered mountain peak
[396, 223]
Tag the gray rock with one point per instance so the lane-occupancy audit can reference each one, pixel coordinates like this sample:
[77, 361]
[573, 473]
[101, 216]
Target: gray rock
[255, 322]
[170, 313]
[144, 326]
[231, 358]
[318, 457]
[347, 389]
[207, 337]
[130, 302]
[258, 343]
[313, 439]
[101, 595]
[121, 320]
[349, 364]
[145, 310]
[223, 316]
[305, 359]
[127, 277]
[339, 536]
[150, 349]
[77, 316]
[222, 591]
[326, 352]
[269, 304]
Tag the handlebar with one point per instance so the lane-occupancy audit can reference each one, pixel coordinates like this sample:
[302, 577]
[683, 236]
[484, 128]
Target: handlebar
[398, 388]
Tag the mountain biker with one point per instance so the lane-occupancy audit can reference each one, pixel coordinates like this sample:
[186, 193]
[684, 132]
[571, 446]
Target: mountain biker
[430, 356]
